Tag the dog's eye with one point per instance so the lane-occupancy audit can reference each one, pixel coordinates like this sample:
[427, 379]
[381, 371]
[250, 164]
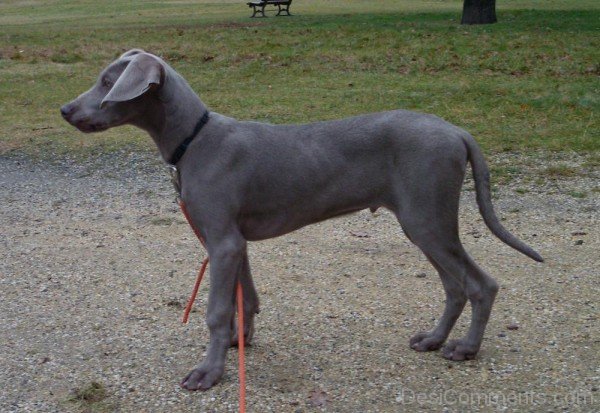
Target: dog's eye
[106, 82]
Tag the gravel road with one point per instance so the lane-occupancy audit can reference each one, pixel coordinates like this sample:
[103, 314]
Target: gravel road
[97, 262]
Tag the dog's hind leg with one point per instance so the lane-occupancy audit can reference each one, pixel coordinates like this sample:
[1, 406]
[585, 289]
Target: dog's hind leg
[481, 290]
[426, 205]
[462, 279]
[455, 303]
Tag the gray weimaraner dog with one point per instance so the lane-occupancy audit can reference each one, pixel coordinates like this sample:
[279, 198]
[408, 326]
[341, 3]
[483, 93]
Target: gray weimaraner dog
[248, 181]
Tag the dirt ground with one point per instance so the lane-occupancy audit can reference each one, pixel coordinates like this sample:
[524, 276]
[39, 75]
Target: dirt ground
[97, 262]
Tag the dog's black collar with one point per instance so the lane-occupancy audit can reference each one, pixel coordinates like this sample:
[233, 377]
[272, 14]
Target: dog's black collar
[178, 154]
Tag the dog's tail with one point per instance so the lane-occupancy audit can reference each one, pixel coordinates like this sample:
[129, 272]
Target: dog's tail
[481, 175]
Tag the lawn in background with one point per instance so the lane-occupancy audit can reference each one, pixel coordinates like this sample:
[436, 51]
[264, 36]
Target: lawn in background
[530, 82]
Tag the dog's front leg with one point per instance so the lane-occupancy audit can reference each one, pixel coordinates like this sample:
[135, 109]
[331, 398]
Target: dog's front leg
[251, 305]
[226, 262]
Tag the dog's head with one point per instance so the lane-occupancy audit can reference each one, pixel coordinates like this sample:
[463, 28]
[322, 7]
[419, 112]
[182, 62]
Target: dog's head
[120, 94]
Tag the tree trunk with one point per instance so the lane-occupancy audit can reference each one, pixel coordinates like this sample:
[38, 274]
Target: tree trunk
[479, 12]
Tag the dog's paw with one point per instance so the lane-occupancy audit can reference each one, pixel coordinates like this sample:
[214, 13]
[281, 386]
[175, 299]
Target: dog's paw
[426, 341]
[459, 350]
[202, 377]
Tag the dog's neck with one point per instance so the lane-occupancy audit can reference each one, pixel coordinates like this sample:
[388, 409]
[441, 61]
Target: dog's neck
[172, 114]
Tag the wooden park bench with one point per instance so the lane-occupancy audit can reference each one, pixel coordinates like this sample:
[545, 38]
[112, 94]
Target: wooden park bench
[258, 6]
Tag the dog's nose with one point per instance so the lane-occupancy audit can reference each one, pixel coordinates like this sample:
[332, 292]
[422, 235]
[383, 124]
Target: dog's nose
[66, 110]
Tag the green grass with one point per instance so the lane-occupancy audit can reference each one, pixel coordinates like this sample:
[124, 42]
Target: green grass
[560, 171]
[530, 82]
[91, 399]
[578, 194]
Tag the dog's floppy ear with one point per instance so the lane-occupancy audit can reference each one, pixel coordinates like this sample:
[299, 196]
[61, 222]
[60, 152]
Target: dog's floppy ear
[141, 74]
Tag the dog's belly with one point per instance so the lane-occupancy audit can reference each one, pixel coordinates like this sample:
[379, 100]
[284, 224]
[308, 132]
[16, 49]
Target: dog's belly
[283, 203]
[256, 227]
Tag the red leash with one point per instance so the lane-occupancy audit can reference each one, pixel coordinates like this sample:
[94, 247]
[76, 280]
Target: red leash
[240, 311]
[188, 307]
